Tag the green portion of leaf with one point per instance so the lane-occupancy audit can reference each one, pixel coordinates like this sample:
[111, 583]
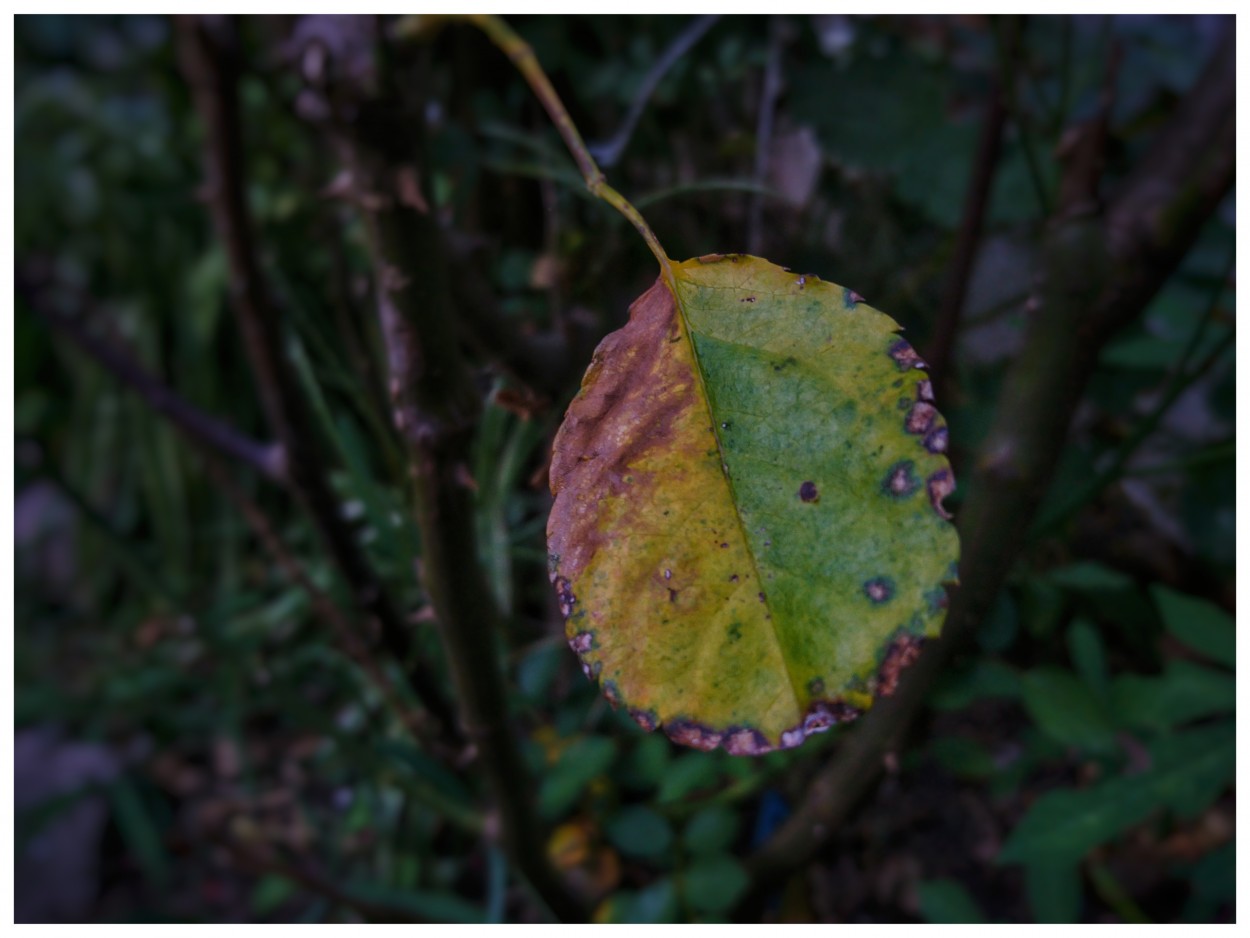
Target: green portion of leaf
[713, 883]
[639, 832]
[711, 830]
[655, 904]
[986, 678]
[1054, 891]
[1187, 772]
[578, 765]
[963, 757]
[437, 907]
[1184, 692]
[688, 774]
[748, 536]
[1088, 655]
[1197, 623]
[1066, 709]
[947, 902]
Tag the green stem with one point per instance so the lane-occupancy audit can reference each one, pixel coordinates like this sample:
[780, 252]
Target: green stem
[522, 56]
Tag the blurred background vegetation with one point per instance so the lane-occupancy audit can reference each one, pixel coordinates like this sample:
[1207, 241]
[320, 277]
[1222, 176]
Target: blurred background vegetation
[195, 741]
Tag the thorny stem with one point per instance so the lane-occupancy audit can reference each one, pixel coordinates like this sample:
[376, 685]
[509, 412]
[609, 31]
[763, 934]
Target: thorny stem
[522, 56]
[1098, 273]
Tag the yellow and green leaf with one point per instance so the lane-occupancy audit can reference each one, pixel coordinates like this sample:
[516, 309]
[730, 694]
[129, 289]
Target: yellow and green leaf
[748, 539]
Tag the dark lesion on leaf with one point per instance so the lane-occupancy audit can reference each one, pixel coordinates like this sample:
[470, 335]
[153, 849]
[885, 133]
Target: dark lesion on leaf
[941, 484]
[564, 593]
[900, 480]
[901, 653]
[808, 492]
[745, 741]
[850, 298]
[647, 719]
[693, 734]
[879, 589]
[905, 356]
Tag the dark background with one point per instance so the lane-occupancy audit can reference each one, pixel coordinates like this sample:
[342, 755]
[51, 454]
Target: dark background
[196, 741]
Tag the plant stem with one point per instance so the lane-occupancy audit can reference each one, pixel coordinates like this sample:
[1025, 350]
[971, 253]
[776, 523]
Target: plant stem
[522, 56]
[207, 50]
[435, 407]
[201, 428]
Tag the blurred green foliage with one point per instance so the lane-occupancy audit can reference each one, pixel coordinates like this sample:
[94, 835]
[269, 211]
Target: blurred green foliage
[1094, 722]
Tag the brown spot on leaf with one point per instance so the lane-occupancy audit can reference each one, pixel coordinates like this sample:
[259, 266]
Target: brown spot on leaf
[744, 741]
[920, 417]
[695, 735]
[564, 592]
[582, 642]
[645, 718]
[879, 589]
[808, 492]
[905, 356]
[900, 480]
[935, 440]
[941, 484]
[902, 652]
[924, 391]
[747, 299]
[711, 258]
[612, 693]
[851, 298]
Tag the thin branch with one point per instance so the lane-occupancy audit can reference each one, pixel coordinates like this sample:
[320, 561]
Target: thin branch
[207, 51]
[609, 151]
[976, 206]
[200, 428]
[1093, 282]
[522, 56]
[435, 407]
[347, 634]
[769, 93]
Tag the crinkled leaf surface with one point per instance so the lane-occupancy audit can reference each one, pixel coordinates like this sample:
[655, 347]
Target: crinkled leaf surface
[748, 539]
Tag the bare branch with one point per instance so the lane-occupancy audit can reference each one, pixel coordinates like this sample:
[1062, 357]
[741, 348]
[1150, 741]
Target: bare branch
[201, 428]
[207, 51]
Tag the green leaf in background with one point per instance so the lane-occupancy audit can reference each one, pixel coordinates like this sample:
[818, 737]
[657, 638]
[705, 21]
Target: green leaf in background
[986, 678]
[713, 883]
[689, 774]
[1089, 657]
[947, 902]
[711, 830]
[1187, 772]
[638, 831]
[1054, 891]
[1198, 624]
[657, 903]
[748, 538]
[422, 904]
[1185, 691]
[577, 766]
[1066, 709]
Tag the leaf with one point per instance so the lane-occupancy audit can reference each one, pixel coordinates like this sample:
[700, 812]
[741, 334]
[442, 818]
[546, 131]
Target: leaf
[1198, 624]
[712, 830]
[1066, 709]
[637, 831]
[1184, 692]
[713, 883]
[1187, 771]
[946, 901]
[748, 540]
